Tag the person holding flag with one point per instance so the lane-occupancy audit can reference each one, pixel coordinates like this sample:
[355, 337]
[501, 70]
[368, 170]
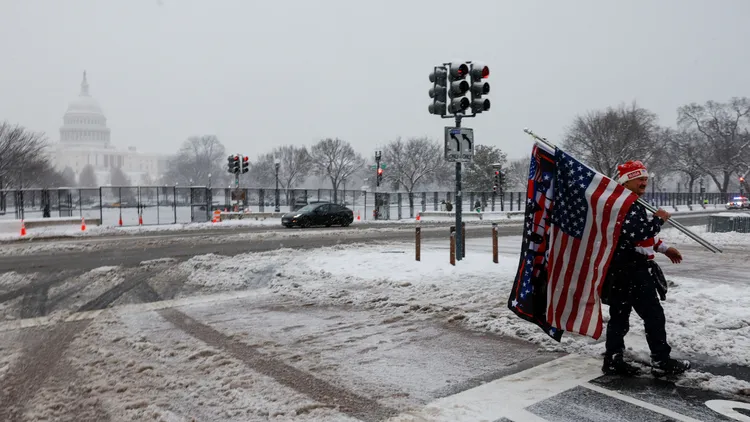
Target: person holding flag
[578, 222]
[631, 282]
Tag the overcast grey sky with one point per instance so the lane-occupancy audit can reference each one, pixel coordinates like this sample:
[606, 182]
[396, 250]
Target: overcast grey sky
[266, 73]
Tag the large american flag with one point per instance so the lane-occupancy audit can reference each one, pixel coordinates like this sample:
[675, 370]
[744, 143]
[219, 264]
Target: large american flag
[568, 243]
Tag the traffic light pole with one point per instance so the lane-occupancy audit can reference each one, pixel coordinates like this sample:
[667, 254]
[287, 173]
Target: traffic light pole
[459, 201]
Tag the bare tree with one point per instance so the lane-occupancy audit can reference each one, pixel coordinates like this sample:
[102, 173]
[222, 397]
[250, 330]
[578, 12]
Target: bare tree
[69, 175]
[479, 175]
[198, 157]
[261, 171]
[414, 162]
[294, 166]
[19, 150]
[517, 174]
[87, 178]
[146, 180]
[604, 139]
[723, 144]
[336, 160]
[682, 155]
[118, 178]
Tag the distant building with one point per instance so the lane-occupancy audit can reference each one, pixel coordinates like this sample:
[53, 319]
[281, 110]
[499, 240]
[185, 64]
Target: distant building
[85, 139]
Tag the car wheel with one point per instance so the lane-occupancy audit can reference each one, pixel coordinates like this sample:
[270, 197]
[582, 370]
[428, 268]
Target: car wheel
[305, 224]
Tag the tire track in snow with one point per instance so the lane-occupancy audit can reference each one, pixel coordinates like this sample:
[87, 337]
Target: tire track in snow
[345, 401]
[43, 349]
[34, 304]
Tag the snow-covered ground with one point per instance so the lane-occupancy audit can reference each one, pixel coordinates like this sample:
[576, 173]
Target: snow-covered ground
[138, 365]
[703, 319]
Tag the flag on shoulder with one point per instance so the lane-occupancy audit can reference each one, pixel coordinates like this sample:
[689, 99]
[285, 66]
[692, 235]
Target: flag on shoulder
[572, 221]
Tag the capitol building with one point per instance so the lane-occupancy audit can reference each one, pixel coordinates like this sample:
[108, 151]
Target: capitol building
[85, 139]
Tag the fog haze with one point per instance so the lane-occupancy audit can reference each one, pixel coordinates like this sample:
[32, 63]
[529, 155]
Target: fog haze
[263, 74]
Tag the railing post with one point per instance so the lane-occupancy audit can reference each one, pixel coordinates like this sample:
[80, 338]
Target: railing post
[494, 243]
[418, 241]
[453, 246]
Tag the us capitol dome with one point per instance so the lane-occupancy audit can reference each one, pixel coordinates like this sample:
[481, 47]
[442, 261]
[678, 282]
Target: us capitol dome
[85, 140]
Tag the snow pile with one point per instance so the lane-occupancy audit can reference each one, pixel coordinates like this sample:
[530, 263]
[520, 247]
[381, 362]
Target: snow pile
[672, 235]
[213, 273]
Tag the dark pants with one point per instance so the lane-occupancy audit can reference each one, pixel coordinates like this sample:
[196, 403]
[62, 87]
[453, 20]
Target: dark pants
[633, 288]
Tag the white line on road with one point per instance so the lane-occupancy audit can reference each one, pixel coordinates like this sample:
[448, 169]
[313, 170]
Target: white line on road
[509, 396]
[640, 403]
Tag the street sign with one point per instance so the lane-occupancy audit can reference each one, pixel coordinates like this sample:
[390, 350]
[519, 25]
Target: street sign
[459, 144]
[373, 167]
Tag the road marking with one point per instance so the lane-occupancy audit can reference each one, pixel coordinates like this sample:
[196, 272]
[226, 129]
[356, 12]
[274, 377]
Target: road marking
[639, 403]
[509, 396]
[726, 408]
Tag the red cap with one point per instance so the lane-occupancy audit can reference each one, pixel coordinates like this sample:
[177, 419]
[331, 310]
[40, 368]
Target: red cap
[630, 170]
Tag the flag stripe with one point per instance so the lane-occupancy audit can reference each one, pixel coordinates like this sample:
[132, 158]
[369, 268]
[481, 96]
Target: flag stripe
[561, 245]
[593, 235]
[599, 236]
[591, 303]
[608, 224]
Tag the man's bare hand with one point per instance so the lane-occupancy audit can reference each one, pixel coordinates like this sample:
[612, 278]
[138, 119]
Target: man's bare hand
[662, 214]
[674, 255]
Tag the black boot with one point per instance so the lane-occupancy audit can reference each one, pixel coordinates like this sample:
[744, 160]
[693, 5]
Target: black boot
[616, 365]
[669, 367]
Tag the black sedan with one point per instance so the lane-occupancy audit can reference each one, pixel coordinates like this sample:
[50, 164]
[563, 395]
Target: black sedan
[321, 214]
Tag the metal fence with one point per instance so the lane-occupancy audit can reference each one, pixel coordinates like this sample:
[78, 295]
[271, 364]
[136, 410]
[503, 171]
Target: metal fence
[133, 205]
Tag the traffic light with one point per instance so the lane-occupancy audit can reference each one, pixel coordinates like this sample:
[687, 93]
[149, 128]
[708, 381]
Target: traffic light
[230, 164]
[235, 164]
[380, 175]
[479, 87]
[458, 87]
[245, 165]
[497, 181]
[439, 91]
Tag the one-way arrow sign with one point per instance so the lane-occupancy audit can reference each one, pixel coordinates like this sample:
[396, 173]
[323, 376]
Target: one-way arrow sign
[459, 144]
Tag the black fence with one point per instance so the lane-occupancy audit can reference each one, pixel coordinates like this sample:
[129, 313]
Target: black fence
[147, 205]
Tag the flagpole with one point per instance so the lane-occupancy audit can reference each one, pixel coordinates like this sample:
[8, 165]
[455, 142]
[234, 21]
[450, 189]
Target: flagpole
[648, 206]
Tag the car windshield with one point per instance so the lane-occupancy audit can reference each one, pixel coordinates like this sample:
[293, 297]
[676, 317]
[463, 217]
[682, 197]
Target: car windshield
[308, 208]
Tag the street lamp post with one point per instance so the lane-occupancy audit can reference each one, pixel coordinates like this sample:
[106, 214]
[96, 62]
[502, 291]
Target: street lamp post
[653, 187]
[209, 180]
[276, 164]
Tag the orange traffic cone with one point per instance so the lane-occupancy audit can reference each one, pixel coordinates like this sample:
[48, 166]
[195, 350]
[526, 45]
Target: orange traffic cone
[358, 219]
[140, 219]
[23, 228]
[83, 224]
[418, 217]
